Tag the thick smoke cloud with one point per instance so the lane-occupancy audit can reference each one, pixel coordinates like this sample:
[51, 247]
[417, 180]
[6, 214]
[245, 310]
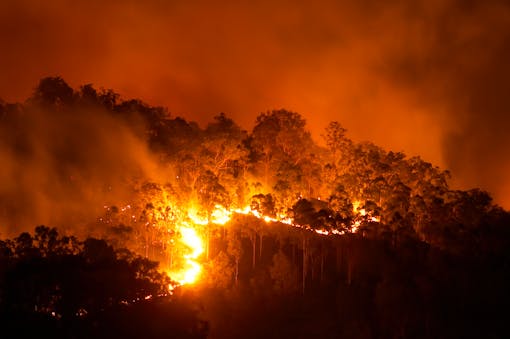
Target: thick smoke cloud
[460, 76]
[60, 167]
[425, 77]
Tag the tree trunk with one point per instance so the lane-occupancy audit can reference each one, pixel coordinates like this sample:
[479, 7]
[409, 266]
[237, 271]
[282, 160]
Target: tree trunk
[322, 265]
[208, 242]
[349, 271]
[237, 270]
[293, 253]
[152, 244]
[254, 249]
[171, 257]
[305, 264]
[260, 246]
[146, 244]
[338, 259]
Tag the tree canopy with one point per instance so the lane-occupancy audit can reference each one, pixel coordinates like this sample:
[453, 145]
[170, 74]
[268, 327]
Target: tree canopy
[340, 239]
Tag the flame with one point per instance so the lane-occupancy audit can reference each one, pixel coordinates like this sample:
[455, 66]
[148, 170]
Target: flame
[268, 219]
[286, 220]
[192, 240]
[248, 211]
[189, 268]
[220, 215]
[193, 268]
[196, 217]
[355, 226]
[355, 205]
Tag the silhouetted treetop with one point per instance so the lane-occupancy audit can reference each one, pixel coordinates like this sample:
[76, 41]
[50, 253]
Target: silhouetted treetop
[53, 92]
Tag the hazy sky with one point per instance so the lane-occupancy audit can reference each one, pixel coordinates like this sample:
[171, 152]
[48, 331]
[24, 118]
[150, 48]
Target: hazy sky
[426, 77]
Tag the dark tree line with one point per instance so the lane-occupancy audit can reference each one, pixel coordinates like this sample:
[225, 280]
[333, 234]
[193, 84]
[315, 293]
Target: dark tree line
[56, 286]
[282, 282]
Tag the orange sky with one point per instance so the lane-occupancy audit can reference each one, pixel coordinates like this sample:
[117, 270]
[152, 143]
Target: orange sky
[424, 77]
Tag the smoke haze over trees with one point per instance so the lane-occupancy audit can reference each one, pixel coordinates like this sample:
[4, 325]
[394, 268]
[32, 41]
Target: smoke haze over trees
[68, 153]
[425, 77]
[62, 155]
[342, 238]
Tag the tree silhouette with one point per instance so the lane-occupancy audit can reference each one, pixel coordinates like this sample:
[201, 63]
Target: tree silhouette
[53, 92]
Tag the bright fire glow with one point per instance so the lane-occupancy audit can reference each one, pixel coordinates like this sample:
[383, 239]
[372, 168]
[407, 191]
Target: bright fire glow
[268, 219]
[192, 269]
[220, 215]
[355, 205]
[196, 217]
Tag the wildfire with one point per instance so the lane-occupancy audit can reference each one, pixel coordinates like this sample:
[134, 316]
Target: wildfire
[196, 217]
[192, 268]
[220, 215]
[363, 213]
[192, 241]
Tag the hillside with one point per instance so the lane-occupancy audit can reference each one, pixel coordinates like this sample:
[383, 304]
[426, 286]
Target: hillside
[260, 233]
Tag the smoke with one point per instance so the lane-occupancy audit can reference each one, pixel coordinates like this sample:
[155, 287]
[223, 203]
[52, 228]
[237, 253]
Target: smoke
[460, 73]
[59, 167]
[424, 77]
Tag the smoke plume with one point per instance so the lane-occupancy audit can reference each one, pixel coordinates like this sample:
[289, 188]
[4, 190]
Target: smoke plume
[60, 167]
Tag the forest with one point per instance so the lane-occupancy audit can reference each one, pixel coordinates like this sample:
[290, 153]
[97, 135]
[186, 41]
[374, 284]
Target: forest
[118, 219]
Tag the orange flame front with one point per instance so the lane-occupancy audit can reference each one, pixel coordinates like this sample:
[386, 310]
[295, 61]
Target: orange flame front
[193, 243]
[194, 246]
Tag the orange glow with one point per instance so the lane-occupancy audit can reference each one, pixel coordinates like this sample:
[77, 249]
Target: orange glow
[195, 245]
[196, 217]
[190, 270]
[220, 215]
[268, 219]
[355, 205]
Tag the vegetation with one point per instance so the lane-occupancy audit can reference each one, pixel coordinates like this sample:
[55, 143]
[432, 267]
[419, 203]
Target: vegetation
[56, 286]
[379, 245]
